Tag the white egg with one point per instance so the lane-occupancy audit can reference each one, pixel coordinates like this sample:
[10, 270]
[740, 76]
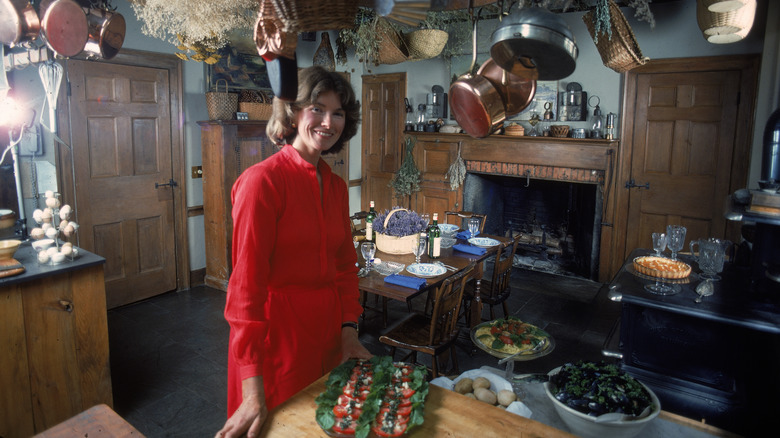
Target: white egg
[38, 215]
[52, 202]
[51, 233]
[43, 257]
[49, 194]
[57, 258]
[62, 226]
[69, 230]
[47, 215]
[51, 251]
[46, 226]
[65, 211]
[37, 233]
[67, 248]
[74, 225]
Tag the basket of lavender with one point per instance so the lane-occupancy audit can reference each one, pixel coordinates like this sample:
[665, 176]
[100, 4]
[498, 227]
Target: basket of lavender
[397, 230]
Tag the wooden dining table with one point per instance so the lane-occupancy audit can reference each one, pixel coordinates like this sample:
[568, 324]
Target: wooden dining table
[447, 414]
[374, 282]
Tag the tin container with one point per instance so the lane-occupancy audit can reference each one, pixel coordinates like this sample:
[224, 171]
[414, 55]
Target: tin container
[578, 133]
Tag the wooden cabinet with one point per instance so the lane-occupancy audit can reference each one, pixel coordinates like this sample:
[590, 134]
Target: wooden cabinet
[434, 156]
[54, 341]
[229, 147]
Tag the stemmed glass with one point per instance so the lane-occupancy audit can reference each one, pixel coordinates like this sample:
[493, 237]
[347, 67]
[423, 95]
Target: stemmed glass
[368, 249]
[659, 243]
[675, 235]
[473, 226]
[418, 246]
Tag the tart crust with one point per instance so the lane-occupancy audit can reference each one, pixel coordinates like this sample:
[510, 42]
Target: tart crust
[661, 267]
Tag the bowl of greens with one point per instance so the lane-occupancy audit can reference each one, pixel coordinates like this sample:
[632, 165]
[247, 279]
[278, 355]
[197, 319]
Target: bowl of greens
[598, 399]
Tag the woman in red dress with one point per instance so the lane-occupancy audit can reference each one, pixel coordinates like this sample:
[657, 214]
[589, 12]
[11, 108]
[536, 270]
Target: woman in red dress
[292, 299]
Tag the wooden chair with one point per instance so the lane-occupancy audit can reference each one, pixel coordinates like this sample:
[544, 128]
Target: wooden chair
[496, 290]
[460, 216]
[358, 223]
[436, 334]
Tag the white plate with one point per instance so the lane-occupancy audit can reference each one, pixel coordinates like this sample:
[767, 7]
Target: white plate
[448, 229]
[426, 270]
[483, 242]
[389, 268]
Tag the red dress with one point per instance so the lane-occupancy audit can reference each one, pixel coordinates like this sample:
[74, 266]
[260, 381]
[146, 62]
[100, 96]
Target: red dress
[294, 278]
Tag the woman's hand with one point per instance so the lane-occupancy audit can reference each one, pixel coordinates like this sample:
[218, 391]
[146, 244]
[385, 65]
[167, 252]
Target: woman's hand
[251, 414]
[351, 348]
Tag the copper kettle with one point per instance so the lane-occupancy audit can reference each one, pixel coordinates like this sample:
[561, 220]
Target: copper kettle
[18, 22]
[106, 33]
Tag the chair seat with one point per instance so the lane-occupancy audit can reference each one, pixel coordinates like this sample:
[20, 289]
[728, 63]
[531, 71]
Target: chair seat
[413, 334]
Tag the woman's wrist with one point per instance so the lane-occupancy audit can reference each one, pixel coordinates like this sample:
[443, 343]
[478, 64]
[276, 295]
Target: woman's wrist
[350, 324]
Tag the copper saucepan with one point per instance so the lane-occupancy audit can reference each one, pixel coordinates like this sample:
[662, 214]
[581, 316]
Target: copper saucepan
[474, 100]
[516, 92]
[106, 33]
[18, 22]
[64, 27]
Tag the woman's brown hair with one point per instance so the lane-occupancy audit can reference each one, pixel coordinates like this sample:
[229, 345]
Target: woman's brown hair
[312, 82]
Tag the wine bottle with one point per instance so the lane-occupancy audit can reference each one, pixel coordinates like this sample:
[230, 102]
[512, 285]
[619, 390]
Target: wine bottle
[434, 238]
[370, 223]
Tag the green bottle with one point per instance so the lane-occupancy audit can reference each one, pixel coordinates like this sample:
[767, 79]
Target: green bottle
[434, 238]
[370, 234]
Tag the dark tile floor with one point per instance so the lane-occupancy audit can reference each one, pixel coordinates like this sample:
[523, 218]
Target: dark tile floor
[169, 353]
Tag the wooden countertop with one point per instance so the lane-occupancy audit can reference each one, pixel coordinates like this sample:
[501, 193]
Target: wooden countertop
[447, 414]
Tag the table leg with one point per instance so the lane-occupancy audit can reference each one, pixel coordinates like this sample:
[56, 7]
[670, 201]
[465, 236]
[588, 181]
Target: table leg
[476, 306]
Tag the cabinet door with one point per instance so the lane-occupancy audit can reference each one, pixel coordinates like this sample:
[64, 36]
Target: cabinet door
[16, 417]
[434, 158]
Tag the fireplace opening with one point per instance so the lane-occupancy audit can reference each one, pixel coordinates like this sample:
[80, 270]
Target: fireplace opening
[558, 222]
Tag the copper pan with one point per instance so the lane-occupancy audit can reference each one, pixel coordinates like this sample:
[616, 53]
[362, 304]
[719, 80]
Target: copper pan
[64, 27]
[517, 92]
[106, 33]
[18, 22]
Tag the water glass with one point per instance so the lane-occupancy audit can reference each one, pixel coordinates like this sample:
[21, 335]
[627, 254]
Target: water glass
[675, 235]
[473, 226]
[368, 249]
[659, 243]
[418, 246]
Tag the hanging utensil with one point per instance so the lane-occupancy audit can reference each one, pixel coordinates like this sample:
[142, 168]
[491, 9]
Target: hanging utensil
[64, 27]
[516, 91]
[535, 38]
[18, 22]
[51, 78]
[474, 101]
[106, 33]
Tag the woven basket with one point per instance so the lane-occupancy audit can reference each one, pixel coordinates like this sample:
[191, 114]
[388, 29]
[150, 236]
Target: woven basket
[559, 130]
[257, 105]
[392, 48]
[621, 52]
[725, 27]
[425, 43]
[221, 106]
[307, 15]
[724, 5]
[393, 244]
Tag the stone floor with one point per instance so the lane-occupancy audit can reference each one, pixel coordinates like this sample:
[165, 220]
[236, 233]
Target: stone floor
[169, 353]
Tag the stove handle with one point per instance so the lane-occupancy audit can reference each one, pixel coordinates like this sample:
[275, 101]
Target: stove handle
[614, 294]
[606, 351]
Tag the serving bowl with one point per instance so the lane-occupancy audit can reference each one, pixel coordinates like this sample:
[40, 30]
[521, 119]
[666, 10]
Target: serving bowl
[8, 248]
[43, 244]
[448, 242]
[448, 230]
[605, 426]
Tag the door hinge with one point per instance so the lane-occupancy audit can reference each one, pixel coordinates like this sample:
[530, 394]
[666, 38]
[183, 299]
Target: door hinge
[630, 184]
[170, 183]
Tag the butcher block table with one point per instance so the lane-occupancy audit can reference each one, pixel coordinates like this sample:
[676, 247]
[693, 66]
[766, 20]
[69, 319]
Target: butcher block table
[97, 421]
[447, 414]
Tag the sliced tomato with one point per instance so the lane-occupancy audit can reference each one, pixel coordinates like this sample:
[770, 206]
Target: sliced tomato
[401, 411]
[341, 411]
[407, 393]
[396, 430]
[345, 426]
[495, 329]
[505, 339]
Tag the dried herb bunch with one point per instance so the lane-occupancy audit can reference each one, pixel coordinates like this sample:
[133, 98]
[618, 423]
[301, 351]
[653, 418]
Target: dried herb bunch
[402, 223]
[407, 180]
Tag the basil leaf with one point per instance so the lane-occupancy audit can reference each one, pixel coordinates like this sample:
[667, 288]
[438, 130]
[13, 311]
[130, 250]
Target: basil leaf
[497, 344]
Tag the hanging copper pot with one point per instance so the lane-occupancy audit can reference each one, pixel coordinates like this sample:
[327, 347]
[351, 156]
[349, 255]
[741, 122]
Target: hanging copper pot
[18, 22]
[516, 92]
[64, 27]
[106, 33]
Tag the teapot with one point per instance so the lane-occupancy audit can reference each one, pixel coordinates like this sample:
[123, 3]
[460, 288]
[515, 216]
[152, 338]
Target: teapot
[712, 255]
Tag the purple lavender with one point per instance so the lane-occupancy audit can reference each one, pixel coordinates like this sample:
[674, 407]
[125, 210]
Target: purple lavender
[402, 223]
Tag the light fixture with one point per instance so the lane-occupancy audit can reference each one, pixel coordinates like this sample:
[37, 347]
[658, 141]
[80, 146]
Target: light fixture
[597, 120]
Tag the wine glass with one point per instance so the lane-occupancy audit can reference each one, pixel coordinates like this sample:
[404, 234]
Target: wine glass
[368, 249]
[426, 218]
[473, 226]
[675, 235]
[418, 247]
[659, 243]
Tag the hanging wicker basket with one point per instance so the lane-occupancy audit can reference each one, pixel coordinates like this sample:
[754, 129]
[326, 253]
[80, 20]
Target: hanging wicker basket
[392, 48]
[621, 52]
[725, 27]
[308, 15]
[221, 106]
[394, 244]
[425, 43]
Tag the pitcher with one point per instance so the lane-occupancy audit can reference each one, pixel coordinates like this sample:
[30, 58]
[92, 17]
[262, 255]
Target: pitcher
[712, 255]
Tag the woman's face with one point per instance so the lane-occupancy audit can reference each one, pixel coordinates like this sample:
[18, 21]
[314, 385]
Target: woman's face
[320, 124]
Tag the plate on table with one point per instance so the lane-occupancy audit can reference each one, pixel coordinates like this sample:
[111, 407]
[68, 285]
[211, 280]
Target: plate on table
[389, 268]
[426, 270]
[483, 338]
[483, 242]
[448, 229]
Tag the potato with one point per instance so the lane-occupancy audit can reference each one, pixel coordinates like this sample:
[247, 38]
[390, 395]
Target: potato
[470, 395]
[480, 382]
[506, 397]
[464, 386]
[485, 395]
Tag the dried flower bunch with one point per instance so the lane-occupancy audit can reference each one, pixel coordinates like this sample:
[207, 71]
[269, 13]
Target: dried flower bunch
[198, 27]
[402, 223]
[407, 179]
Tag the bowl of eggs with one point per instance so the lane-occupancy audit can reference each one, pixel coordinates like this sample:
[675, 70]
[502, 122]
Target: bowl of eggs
[8, 248]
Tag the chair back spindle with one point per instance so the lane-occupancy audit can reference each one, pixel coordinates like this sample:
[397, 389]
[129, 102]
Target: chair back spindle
[447, 301]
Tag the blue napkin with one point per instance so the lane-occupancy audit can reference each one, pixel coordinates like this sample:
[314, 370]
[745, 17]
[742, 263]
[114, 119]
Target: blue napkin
[406, 281]
[470, 249]
[466, 235]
